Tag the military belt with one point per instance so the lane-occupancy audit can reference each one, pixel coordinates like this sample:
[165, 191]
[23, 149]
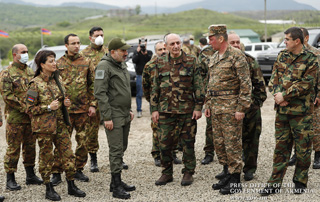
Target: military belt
[222, 92]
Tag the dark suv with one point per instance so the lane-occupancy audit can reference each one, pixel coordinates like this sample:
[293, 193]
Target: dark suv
[267, 58]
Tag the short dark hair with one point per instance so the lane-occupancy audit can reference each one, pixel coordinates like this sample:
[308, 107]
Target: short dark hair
[203, 41]
[304, 31]
[93, 29]
[66, 38]
[41, 58]
[296, 33]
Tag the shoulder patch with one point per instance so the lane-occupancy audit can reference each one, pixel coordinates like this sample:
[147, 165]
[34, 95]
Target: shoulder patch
[31, 96]
[99, 74]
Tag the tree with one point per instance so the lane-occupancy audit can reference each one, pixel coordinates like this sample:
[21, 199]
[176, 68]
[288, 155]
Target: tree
[138, 9]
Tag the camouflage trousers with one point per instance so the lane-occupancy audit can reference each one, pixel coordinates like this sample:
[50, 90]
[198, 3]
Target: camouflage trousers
[62, 142]
[227, 137]
[289, 129]
[251, 131]
[93, 130]
[316, 129]
[172, 128]
[118, 142]
[80, 123]
[17, 134]
[209, 146]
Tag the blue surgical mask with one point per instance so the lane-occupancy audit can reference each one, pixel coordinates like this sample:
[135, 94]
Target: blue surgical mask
[191, 42]
[24, 58]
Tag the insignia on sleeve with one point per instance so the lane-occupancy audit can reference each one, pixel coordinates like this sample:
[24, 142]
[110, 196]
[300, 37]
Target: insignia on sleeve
[31, 96]
[99, 74]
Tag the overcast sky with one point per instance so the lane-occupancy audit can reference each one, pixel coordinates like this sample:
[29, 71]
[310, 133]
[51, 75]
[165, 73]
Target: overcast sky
[133, 3]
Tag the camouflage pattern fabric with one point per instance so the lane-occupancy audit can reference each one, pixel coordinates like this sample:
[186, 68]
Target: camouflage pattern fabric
[94, 53]
[17, 134]
[295, 76]
[291, 129]
[228, 91]
[186, 49]
[174, 128]
[251, 129]
[195, 50]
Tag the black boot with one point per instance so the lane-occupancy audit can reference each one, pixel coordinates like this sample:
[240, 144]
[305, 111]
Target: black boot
[118, 190]
[2, 198]
[293, 160]
[31, 176]
[80, 176]
[223, 174]
[207, 159]
[223, 182]
[51, 194]
[316, 162]
[125, 166]
[56, 179]
[125, 186]
[74, 190]
[12, 185]
[233, 186]
[94, 164]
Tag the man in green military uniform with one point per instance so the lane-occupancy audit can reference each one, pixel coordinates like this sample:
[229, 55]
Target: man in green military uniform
[204, 59]
[13, 87]
[228, 98]
[176, 102]
[95, 51]
[251, 129]
[77, 73]
[292, 84]
[113, 92]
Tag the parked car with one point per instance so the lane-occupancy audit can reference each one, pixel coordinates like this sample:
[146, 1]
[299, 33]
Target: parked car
[266, 59]
[254, 48]
[60, 51]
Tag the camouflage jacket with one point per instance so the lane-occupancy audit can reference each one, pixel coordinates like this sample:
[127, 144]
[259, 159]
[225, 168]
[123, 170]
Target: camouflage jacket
[177, 86]
[204, 59]
[112, 88]
[295, 76]
[229, 88]
[259, 94]
[195, 50]
[77, 77]
[42, 91]
[13, 87]
[147, 77]
[94, 53]
[0, 115]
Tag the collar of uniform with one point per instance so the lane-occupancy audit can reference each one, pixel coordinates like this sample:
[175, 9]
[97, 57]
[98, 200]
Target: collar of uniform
[177, 60]
[118, 64]
[46, 77]
[19, 65]
[72, 58]
[95, 47]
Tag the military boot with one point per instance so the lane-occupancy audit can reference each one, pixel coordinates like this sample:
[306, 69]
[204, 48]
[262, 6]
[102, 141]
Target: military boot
[223, 182]
[207, 159]
[2, 198]
[293, 160]
[187, 179]
[51, 194]
[316, 162]
[164, 179]
[80, 176]
[125, 166]
[125, 186]
[31, 176]
[233, 186]
[12, 185]
[94, 163]
[118, 191]
[74, 190]
[223, 174]
[56, 179]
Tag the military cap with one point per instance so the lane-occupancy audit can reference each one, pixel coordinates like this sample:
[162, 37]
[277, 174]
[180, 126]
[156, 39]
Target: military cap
[117, 43]
[191, 37]
[217, 29]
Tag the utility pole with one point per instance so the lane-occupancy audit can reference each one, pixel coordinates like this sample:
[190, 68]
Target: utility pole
[265, 20]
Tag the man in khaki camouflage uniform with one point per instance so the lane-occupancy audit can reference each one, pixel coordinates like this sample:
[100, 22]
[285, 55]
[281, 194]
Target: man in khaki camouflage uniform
[292, 83]
[176, 102]
[251, 129]
[194, 49]
[13, 87]
[77, 74]
[95, 51]
[228, 98]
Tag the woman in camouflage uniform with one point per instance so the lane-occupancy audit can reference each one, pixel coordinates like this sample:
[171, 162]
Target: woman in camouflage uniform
[46, 103]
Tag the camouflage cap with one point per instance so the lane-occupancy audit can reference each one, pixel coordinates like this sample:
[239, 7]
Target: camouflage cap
[217, 29]
[191, 37]
[118, 43]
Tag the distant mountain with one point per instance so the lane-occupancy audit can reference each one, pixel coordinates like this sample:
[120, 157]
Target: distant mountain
[233, 5]
[89, 5]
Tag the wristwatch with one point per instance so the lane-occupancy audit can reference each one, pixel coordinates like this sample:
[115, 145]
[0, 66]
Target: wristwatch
[49, 108]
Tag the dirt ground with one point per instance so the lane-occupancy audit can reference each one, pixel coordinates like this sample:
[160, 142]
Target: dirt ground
[142, 172]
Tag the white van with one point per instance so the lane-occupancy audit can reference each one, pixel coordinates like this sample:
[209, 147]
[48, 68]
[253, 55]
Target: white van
[254, 48]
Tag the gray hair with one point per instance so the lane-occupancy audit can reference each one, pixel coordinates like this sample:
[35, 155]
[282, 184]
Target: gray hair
[166, 37]
[155, 45]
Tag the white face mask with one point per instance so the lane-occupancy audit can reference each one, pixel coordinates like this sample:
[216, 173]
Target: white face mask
[24, 58]
[99, 41]
[191, 42]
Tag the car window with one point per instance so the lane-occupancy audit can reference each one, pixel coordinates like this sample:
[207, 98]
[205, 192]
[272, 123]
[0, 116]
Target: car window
[266, 47]
[258, 48]
[248, 48]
